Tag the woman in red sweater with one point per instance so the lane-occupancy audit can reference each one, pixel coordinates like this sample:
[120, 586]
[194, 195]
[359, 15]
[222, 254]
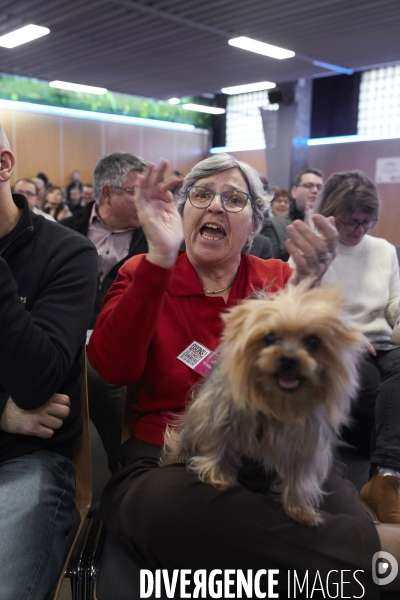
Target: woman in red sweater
[163, 302]
[162, 312]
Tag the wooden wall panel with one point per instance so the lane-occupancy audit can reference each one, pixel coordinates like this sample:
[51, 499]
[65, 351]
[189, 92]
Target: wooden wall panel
[57, 145]
[6, 118]
[255, 158]
[334, 158]
[37, 146]
[83, 146]
[190, 148]
[159, 143]
[123, 138]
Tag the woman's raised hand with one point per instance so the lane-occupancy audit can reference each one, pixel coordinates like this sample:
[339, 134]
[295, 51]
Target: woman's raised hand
[158, 215]
[312, 252]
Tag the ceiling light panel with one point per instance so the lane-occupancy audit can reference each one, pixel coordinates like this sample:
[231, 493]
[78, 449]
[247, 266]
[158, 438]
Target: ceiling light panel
[23, 35]
[246, 43]
[77, 87]
[250, 87]
[212, 110]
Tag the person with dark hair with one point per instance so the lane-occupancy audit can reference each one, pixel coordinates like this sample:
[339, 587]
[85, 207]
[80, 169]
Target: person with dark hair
[44, 178]
[27, 188]
[367, 270]
[306, 188]
[87, 193]
[55, 205]
[75, 184]
[280, 203]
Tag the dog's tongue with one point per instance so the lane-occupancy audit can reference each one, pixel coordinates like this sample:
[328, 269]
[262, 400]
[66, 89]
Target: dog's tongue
[288, 382]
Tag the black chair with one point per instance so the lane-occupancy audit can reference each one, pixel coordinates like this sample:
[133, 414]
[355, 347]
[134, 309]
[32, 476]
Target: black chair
[83, 497]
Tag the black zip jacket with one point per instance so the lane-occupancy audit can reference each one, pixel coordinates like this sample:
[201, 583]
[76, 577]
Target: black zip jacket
[47, 290]
[80, 222]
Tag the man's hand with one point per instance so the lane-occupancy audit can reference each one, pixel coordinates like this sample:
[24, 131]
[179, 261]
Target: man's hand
[41, 422]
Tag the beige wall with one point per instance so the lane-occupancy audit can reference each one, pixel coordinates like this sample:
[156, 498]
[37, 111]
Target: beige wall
[57, 145]
[255, 158]
[334, 158]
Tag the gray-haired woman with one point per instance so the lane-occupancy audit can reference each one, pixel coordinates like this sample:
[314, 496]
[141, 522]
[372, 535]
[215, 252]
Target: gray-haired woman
[164, 301]
[160, 317]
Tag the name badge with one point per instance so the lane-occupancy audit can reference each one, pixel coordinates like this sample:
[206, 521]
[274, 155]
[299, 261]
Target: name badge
[199, 358]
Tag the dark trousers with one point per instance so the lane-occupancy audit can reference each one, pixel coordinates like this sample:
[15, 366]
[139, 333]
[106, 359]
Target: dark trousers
[106, 410]
[376, 412]
[165, 517]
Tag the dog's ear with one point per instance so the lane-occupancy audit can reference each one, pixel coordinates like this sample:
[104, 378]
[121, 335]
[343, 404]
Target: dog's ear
[235, 319]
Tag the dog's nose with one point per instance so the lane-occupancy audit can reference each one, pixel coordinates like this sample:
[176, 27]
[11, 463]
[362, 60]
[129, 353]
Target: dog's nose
[288, 362]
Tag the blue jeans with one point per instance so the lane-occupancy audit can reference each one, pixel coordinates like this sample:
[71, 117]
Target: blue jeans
[37, 500]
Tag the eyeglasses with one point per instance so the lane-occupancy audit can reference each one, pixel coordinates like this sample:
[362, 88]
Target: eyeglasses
[351, 226]
[231, 200]
[278, 201]
[128, 190]
[309, 186]
[27, 194]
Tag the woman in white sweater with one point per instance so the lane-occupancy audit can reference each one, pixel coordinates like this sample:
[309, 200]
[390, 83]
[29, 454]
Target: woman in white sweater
[367, 270]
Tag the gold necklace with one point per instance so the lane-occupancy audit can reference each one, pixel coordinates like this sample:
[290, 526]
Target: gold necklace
[218, 291]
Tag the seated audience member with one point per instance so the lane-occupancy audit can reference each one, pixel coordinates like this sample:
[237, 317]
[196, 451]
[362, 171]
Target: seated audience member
[75, 183]
[28, 188]
[112, 224]
[159, 305]
[305, 191]
[135, 340]
[75, 199]
[54, 204]
[367, 270]
[87, 193]
[41, 191]
[280, 203]
[47, 289]
[44, 178]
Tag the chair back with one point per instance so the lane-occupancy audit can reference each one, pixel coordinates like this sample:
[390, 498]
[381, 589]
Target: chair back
[83, 465]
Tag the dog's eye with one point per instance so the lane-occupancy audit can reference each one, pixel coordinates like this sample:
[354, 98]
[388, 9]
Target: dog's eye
[313, 342]
[270, 339]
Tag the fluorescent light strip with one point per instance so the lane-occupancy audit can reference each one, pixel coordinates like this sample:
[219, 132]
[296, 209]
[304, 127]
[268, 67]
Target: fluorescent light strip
[23, 35]
[246, 43]
[346, 139]
[174, 101]
[85, 114]
[77, 87]
[212, 110]
[250, 87]
[221, 149]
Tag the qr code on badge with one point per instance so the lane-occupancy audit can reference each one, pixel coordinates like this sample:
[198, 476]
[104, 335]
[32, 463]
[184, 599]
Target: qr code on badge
[194, 354]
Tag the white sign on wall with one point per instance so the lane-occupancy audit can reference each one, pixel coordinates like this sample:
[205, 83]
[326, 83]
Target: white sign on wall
[387, 170]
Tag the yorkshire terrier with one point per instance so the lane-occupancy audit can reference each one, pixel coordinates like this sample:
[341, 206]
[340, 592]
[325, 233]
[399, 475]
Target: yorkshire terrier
[278, 395]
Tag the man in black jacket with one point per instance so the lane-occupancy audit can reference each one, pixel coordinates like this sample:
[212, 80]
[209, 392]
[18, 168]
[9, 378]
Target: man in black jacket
[47, 289]
[111, 223]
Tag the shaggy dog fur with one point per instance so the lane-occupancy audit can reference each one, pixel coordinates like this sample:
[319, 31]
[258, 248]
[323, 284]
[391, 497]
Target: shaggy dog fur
[278, 395]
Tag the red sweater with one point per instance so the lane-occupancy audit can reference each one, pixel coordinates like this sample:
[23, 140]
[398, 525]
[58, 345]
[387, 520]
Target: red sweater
[150, 315]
